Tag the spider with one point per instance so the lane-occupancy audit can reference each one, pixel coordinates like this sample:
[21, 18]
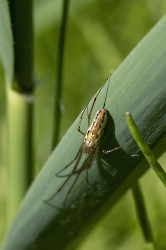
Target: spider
[90, 145]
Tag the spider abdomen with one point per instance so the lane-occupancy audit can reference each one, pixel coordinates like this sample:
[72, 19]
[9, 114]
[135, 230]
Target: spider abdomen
[95, 131]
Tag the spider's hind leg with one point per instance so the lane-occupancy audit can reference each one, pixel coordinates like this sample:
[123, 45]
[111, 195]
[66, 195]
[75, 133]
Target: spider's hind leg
[76, 157]
[87, 168]
[87, 161]
[114, 149]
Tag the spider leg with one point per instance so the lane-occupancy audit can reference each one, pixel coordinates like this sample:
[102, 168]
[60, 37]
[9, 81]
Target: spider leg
[90, 163]
[78, 160]
[95, 153]
[87, 168]
[114, 149]
[79, 172]
[76, 157]
[81, 119]
[89, 116]
[106, 92]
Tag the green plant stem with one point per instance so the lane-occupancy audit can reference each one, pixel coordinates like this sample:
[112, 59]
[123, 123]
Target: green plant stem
[19, 109]
[145, 149]
[22, 24]
[19, 113]
[57, 105]
[142, 216]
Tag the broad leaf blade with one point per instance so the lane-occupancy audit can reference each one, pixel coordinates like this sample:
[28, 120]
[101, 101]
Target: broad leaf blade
[137, 86]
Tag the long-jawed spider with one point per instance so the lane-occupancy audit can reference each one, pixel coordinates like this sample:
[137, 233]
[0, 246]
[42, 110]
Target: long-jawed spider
[91, 143]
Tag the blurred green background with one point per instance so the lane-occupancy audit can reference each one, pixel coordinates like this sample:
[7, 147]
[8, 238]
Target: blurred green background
[100, 34]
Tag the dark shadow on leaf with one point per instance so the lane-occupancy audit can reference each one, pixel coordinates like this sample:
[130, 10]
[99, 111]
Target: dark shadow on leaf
[111, 173]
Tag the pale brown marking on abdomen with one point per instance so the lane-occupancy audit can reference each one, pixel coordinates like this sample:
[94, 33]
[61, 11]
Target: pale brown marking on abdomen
[95, 131]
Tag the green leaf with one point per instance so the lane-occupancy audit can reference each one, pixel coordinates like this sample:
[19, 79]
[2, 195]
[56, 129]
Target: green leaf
[137, 86]
[6, 41]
